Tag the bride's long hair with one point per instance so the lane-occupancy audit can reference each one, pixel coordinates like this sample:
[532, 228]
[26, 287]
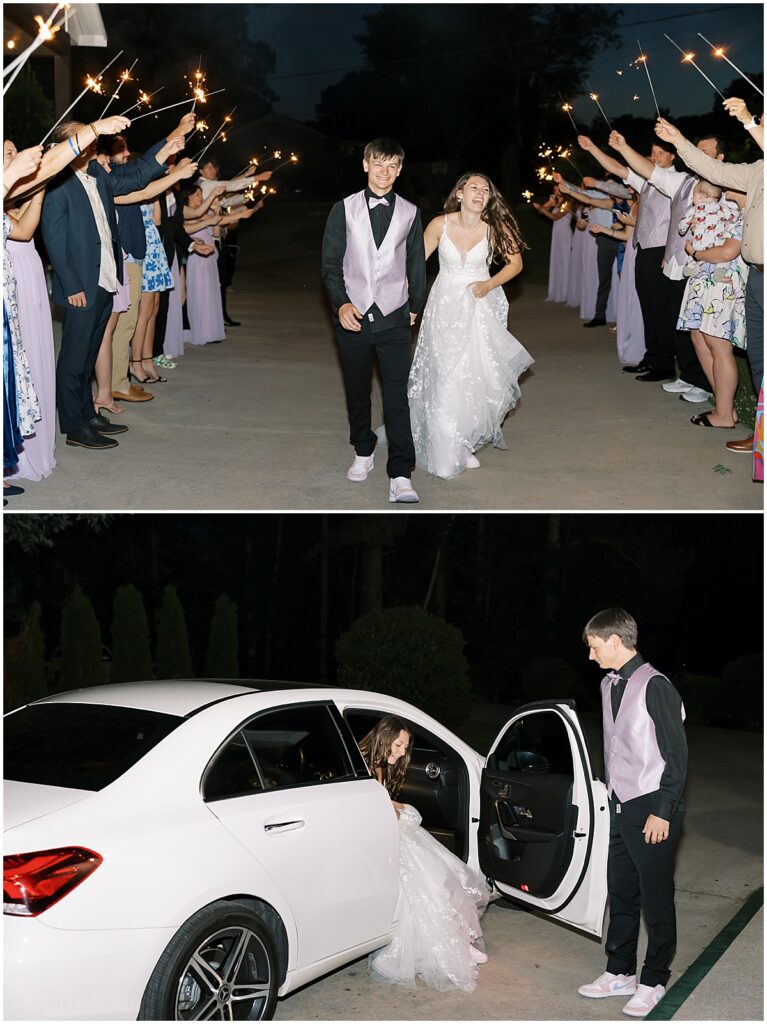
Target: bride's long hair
[505, 235]
[376, 748]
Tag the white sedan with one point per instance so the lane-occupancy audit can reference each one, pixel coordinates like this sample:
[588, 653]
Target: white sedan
[192, 850]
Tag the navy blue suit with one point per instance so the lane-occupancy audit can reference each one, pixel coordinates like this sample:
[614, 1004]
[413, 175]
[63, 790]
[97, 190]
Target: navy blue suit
[74, 248]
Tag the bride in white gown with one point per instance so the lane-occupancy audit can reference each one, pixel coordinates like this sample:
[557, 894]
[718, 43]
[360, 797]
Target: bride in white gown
[438, 937]
[464, 377]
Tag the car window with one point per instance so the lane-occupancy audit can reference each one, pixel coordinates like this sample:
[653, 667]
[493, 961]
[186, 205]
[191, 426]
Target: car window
[79, 746]
[535, 744]
[296, 746]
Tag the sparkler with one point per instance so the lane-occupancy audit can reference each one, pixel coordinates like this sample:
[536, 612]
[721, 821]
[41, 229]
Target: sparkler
[719, 52]
[527, 195]
[595, 97]
[567, 107]
[143, 99]
[292, 159]
[564, 154]
[642, 59]
[688, 59]
[172, 105]
[224, 123]
[124, 77]
[77, 100]
[46, 31]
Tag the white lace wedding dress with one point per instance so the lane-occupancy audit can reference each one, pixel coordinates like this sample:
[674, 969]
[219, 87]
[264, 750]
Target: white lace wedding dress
[441, 900]
[464, 377]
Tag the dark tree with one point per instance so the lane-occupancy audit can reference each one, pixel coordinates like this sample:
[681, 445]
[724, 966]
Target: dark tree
[131, 653]
[27, 111]
[173, 659]
[24, 666]
[222, 660]
[81, 663]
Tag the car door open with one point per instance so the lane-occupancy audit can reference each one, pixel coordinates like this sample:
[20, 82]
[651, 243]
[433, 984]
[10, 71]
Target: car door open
[544, 821]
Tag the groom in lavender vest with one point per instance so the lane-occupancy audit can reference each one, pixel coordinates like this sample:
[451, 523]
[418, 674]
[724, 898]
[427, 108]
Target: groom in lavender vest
[645, 769]
[374, 270]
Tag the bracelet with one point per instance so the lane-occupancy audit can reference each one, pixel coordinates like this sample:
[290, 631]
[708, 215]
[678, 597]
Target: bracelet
[95, 129]
[753, 123]
[72, 145]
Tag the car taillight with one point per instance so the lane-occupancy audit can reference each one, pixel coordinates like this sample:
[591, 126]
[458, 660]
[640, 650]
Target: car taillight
[33, 882]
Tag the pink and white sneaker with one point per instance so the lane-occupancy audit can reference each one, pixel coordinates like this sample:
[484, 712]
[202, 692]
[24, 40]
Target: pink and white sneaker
[478, 956]
[645, 998]
[609, 985]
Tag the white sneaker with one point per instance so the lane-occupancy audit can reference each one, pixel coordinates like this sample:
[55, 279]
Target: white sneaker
[400, 489]
[645, 999]
[676, 386]
[472, 462]
[478, 956]
[609, 985]
[696, 395]
[360, 468]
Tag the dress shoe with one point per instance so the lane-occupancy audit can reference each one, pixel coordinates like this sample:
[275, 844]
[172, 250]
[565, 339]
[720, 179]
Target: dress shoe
[134, 395]
[89, 438]
[652, 375]
[11, 490]
[637, 368]
[401, 490]
[746, 445]
[231, 323]
[360, 468]
[103, 425]
[596, 322]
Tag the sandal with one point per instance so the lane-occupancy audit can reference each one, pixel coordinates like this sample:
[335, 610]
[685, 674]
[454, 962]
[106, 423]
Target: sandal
[703, 419]
[152, 380]
[113, 407]
[165, 363]
[139, 380]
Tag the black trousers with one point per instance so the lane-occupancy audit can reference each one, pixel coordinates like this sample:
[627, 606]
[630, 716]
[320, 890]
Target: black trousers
[160, 324]
[607, 252]
[82, 333]
[393, 348]
[640, 878]
[755, 323]
[659, 332]
[687, 361]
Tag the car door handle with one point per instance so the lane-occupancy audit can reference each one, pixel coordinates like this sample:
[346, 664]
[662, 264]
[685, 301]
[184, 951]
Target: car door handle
[283, 826]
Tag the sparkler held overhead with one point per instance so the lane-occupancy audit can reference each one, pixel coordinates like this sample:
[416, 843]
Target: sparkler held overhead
[223, 125]
[172, 105]
[143, 100]
[688, 59]
[87, 88]
[124, 77]
[46, 31]
[595, 97]
[642, 59]
[567, 107]
[718, 51]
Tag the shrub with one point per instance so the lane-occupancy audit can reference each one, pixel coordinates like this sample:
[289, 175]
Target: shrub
[80, 644]
[173, 660]
[409, 654]
[131, 653]
[222, 660]
[24, 666]
[743, 689]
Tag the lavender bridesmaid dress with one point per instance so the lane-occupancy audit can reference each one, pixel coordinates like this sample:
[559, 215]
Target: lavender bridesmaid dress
[203, 295]
[576, 271]
[590, 282]
[36, 458]
[630, 337]
[559, 259]
[173, 345]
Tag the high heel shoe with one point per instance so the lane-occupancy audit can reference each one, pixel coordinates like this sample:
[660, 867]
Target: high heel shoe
[132, 375]
[159, 379]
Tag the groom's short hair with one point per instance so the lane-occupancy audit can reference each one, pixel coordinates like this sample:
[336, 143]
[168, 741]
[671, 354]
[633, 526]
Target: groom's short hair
[612, 620]
[383, 148]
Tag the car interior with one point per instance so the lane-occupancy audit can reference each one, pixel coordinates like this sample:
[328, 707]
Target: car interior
[437, 782]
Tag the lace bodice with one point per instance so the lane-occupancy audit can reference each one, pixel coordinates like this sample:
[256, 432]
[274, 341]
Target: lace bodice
[473, 262]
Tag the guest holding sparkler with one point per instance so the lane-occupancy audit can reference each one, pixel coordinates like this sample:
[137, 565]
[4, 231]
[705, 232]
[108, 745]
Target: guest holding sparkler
[748, 178]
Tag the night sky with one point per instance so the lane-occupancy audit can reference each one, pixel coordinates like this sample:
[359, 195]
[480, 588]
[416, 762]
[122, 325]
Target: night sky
[312, 38]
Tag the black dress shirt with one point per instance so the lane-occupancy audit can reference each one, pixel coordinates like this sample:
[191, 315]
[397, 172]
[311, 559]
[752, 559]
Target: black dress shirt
[334, 250]
[664, 706]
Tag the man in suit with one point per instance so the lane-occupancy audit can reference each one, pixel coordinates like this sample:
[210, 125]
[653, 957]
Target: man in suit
[81, 237]
[374, 271]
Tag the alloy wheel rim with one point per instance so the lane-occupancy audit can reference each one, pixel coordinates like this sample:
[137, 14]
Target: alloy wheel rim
[227, 977]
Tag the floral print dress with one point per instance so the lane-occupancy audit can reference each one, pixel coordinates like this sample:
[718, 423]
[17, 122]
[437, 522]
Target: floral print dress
[155, 273]
[28, 407]
[717, 307]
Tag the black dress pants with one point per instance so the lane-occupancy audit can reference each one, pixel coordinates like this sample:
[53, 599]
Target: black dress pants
[607, 253]
[393, 348]
[659, 332]
[687, 360]
[82, 333]
[160, 324]
[640, 878]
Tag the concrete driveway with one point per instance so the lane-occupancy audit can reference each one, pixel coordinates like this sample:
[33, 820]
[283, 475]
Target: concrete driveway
[536, 965]
[259, 422]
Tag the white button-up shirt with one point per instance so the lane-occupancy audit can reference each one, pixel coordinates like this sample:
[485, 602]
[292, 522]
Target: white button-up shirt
[107, 268]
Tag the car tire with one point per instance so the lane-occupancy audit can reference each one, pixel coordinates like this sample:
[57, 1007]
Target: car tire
[240, 954]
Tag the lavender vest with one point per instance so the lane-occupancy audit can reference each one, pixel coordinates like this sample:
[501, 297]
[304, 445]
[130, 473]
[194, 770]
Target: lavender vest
[633, 762]
[651, 229]
[679, 204]
[376, 275]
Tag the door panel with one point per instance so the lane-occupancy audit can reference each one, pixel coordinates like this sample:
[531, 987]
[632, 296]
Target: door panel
[544, 824]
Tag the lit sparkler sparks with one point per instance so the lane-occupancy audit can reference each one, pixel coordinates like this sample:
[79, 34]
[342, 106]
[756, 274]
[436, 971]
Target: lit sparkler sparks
[687, 58]
[46, 31]
[170, 106]
[718, 51]
[124, 77]
[527, 195]
[97, 79]
[595, 97]
[292, 159]
[642, 59]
